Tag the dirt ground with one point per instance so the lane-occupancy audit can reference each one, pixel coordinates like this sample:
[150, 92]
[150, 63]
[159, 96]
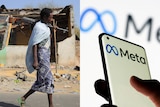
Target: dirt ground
[66, 80]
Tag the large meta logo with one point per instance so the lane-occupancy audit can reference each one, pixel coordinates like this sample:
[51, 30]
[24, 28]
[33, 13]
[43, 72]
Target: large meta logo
[99, 20]
[130, 23]
[111, 49]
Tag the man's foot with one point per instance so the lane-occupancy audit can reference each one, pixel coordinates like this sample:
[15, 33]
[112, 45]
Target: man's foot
[21, 102]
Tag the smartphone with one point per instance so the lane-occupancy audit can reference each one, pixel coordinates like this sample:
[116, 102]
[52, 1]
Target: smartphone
[122, 59]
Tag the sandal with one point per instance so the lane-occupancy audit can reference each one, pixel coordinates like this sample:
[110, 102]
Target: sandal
[21, 102]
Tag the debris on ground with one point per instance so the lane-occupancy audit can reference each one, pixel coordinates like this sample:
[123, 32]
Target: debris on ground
[21, 75]
[77, 68]
[17, 79]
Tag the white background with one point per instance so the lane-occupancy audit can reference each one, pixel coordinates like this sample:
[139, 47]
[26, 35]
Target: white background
[91, 65]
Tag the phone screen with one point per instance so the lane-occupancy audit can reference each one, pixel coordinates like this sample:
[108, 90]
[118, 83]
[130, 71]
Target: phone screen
[121, 60]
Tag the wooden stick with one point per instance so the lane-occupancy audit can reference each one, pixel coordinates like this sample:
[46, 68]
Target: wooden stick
[56, 53]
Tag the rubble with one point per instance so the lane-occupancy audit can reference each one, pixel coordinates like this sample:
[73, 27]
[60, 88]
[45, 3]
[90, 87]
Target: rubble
[3, 79]
[77, 68]
[21, 75]
[19, 80]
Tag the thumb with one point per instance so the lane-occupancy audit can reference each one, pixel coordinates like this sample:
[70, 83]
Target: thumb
[150, 88]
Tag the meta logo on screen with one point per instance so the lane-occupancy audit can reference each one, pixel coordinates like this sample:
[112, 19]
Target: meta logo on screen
[125, 54]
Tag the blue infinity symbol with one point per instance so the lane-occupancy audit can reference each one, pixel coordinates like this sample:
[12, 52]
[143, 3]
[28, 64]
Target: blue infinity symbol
[98, 19]
[110, 49]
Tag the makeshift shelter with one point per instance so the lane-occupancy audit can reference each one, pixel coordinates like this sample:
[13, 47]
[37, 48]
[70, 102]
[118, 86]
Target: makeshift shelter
[16, 27]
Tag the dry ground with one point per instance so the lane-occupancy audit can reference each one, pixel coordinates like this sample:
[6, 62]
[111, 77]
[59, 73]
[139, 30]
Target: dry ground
[63, 83]
[67, 80]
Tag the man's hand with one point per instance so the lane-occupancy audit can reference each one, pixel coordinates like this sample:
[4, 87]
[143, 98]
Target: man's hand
[101, 88]
[150, 88]
[35, 56]
[35, 65]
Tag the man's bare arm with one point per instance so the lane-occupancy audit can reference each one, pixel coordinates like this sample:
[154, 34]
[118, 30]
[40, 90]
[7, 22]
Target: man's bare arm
[35, 56]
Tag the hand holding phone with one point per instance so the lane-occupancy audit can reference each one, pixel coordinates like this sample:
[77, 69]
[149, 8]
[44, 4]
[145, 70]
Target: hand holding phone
[150, 88]
[122, 60]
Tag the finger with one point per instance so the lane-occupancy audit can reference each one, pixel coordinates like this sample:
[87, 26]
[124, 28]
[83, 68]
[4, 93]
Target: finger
[35, 67]
[147, 87]
[144, 86]
[101, 88]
